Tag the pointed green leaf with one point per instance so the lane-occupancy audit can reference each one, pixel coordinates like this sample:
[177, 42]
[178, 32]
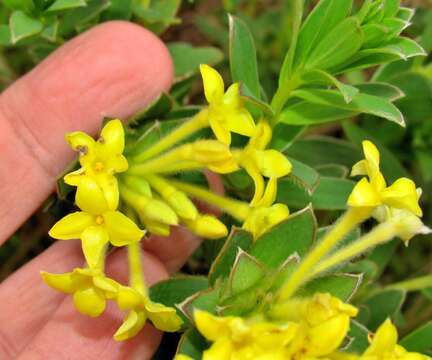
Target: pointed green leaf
[24, 5]
[303, 175]
[358, 338]
[382, 305]
[361, 103]
[187, 58]
[193, 344]
[221, 267]
[243, 63]
[342, 286]
[23, 26]
[320, 22]
[204, 300]
[338, 46]
[380, 89]
[322, 77]
[5, 35]
[245, 273]
[294, 235]
[61, 5]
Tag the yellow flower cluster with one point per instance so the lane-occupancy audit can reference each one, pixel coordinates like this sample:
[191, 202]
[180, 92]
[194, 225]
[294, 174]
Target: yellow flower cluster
[399, 201]
[303, 329]
[97, 224]
[159, 202]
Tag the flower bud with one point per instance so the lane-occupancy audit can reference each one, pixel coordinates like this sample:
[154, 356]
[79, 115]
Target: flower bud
[207, 226]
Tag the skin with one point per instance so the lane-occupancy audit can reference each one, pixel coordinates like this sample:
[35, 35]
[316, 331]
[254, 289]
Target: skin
[113, 69]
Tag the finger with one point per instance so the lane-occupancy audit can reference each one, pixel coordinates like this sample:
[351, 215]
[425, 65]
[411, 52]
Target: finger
[174, 250]
[63, 328]
[112, 70]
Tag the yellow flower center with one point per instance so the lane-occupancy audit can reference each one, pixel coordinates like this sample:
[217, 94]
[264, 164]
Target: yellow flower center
[99, 220]
[99, 166]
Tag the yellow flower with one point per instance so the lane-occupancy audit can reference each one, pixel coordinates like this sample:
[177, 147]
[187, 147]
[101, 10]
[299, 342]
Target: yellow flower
[226, 111]
[323, 324]
[90, 288]
[140, 309]
[262, 219]
[384, 346]
[259, 162]
[100, 159]
[95, 225]
[237, 338]
[374, 192]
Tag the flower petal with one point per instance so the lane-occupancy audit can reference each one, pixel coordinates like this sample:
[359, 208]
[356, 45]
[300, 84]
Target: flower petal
[270, 193]
[132, 324]
[402, 194]
[94, 239]
[272, 163]
[80, 141]
[231, 98]
[112, 137]
[364, 195]
[71, 226]
[241, 122]
[128, 298]
[90, 197]
[258, 180]
[207, 226]
[359, 168]
[60, 282]
[384, 341]
[212, 327]
[117, 163]
[261, 137]
[121, 229]
[221, 133]
[163, 318]
[109, 186]
[74, 177]
[371, 153]
[221, 349]
[213, 84]
[89, 301]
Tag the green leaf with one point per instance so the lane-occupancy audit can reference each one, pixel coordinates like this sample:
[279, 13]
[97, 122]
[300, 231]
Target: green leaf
[187, 58]
[419, 340]
[306, 113]
[75, 19]
[175, 290]
[204, 300]
[222, 265]
[361, 103]
[295, 9]
[406, 47]
[294, 235]
[51, 29]
[342, 286]
[358, 338]
[331, 194]
[24, 5]
[338, 46]
[303, 175]
[390, 165]
[192, 343]
[156, 109]
[322, 150]
[380, 89]
[333, 170]
[321, 21]
[383, 305]
[22, 26]
[245, 273]
[321, 77]
[254, 102]
[285, 135]
[61, 5]
[391, 7]
[243, 62]
[405, 14]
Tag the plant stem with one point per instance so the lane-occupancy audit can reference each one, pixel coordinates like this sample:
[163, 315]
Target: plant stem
[198, 122]
[379, 235]
[136, 277]
[235, 208]
[346, 223]
[415, 284]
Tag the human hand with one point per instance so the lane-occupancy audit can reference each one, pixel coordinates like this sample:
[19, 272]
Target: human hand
[112, 70]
